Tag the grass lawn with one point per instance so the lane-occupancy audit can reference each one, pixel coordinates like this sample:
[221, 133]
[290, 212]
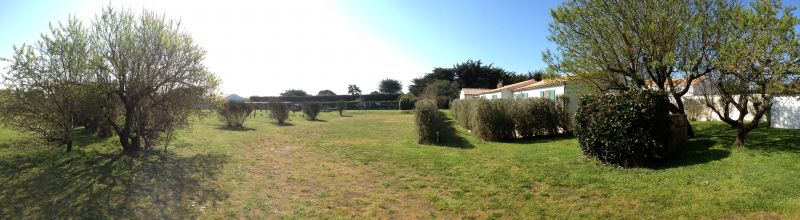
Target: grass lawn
[368, 165]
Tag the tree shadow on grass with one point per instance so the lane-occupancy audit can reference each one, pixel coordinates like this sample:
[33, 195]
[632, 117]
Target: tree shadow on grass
[697, 151]
[49, 184]
[318, 120]
[285, 124]
[226, 128]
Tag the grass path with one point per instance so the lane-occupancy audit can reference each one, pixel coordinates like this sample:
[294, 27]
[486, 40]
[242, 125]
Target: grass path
[367, 165]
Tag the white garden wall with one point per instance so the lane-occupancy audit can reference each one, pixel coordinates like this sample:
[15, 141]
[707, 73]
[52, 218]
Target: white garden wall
[786, 112]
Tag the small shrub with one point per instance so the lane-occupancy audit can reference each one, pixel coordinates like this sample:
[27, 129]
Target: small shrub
[341, 106]
[278, 111]
[428, 121]
[311, 110]
[628, 129]
[406, 102]
[491, 121]
[234, 113]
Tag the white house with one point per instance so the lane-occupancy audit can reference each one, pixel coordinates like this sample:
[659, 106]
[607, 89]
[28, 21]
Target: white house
[471, 93]
[548, 88]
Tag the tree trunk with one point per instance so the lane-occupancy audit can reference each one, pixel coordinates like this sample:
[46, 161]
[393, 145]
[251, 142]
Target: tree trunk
[740, 138]
[69, 146]
[681, 110]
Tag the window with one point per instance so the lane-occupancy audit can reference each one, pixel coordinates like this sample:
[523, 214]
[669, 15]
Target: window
[550, 94]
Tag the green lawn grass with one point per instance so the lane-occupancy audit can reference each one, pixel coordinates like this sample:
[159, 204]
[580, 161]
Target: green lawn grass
[368, 165]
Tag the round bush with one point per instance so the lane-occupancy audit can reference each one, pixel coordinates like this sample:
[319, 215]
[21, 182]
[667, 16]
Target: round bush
[311, 110]
[628, 129]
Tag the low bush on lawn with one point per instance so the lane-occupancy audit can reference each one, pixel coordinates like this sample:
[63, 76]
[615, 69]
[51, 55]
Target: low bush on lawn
[311, 110]
[505, 119]
[278, 111]
[340, 107]
[234, 113]
[427, 121]
[628, 129]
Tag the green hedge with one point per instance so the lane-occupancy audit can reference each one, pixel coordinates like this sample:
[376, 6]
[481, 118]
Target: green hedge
[428, 121]
[491, 120]
[462, 111]
[504, 119]
[406, 102]
[536, 116]
[628, 129]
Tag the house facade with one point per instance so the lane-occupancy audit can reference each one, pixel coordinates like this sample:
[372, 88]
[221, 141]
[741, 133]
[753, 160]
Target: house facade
[547, 88]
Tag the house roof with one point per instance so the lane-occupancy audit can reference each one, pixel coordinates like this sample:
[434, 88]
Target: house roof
[543, 83]
[512, 87]
[473, 91]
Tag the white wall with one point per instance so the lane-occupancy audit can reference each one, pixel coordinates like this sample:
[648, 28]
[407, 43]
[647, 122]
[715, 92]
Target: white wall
[498, 94]
[708, 115]
[786, 112]
[536, 92]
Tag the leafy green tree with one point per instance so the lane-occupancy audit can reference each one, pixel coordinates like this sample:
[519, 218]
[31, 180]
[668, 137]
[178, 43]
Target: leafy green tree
[154, 73]
[759, 51]
[294, 92]
[326, 92]
[539, 75]
[623, 45]
[390, 86]
[47, 83]
[353, 90]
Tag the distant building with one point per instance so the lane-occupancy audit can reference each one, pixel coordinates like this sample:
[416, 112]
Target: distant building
[233, 97]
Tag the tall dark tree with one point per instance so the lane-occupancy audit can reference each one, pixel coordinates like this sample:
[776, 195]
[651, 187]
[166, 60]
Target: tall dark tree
[469, 74]
[294, 92]
[353, 90]
[390, 86]
[326, 92]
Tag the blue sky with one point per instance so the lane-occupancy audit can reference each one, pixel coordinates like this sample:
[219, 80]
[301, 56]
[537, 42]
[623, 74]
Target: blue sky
[265, 47]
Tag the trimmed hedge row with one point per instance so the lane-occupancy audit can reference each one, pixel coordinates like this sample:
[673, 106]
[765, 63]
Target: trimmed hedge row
[428, 121]
[628, 129]
[330, 98]
[504, 119]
